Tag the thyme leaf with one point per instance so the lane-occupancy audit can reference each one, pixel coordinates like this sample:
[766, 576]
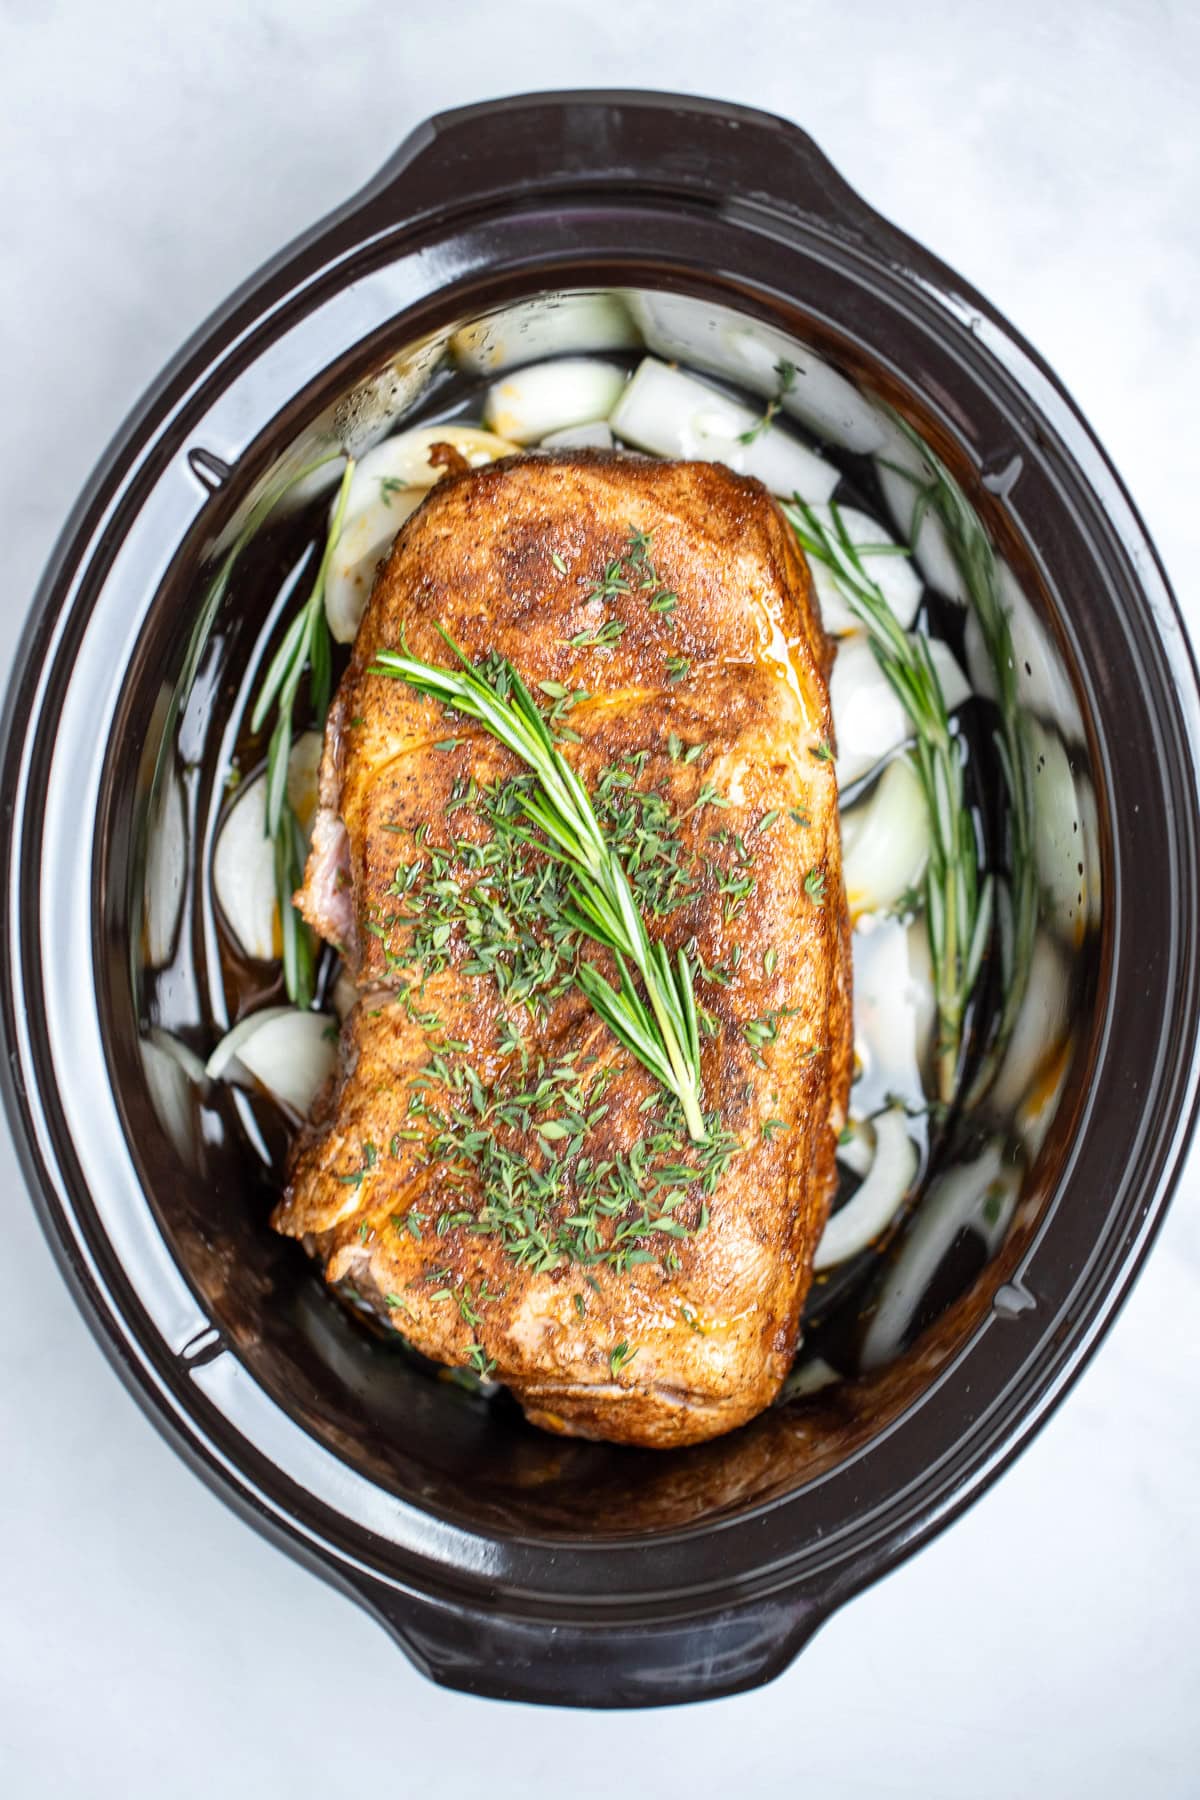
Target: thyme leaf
[660, 1029]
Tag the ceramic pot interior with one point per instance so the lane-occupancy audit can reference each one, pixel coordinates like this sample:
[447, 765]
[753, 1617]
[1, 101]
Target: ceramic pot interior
[880, 1331]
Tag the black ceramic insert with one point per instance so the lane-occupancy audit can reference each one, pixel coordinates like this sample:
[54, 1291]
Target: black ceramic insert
[507, 1562]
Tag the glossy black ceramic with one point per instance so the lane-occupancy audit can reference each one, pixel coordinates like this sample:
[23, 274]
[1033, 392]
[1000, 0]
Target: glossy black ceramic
[504, 1561]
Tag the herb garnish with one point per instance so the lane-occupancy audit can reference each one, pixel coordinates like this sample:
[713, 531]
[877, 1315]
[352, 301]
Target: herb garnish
[664, 1035]
[814, 885]
[515, 1162]
[1017, 898]
[601, 637]
[306, 645]
[958, 892]
[765, 1030]
[786, 372]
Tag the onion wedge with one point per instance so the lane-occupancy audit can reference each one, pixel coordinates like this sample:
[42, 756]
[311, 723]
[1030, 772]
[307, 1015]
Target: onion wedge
[668, 413]
[551, 397]
[981, 1197]
[886, 841]
[887, 565]
[403, 461]
[548, 326]
[880, 1197]
[870, 720]
[288, 1053]
[244, 859]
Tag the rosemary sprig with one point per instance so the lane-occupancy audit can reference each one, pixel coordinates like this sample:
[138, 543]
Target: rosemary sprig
[664, 1035]
[786, 372]
[214, 595]
[959, 894]
[1017, 898]
[306, 645]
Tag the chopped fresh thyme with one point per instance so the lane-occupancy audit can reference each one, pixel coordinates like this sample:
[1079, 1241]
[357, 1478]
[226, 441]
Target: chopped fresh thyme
[765, 1030]
[515, 1161]
[679, 752]
[620, 1357]
[631, 571]
[678, 667]
[661, 1030]
[508, 901]
[603, 637]
[814, 885]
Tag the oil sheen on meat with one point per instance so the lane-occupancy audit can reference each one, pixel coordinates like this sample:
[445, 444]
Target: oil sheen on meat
[491, 1172]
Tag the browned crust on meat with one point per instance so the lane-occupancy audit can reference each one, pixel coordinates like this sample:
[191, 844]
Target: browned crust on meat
[713, 1336]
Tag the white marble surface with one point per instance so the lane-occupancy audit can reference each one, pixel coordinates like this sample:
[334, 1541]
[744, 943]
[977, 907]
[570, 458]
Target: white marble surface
[149, 1643]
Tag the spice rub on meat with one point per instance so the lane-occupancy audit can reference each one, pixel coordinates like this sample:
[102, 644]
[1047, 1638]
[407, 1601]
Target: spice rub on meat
[493, 1172]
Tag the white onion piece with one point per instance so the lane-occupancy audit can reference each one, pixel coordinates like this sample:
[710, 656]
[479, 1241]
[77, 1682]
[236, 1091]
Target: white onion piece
[892, 572]
[856, 1146]
[288, 1052]
[363, 542]
[1039, 1029]
[318, 481]
[552, 396]
[244, 859]
[1062, 858]
[344, 997]
[932, 547]
[980, 1196]
[894, 1012]
[869, 720]
[1043, 684]
[292, 1057]
[595, 434]
[166, 866]
[670, 413]
[173, 1077]
[809, 1378]
[1035, 1115]
[404, 461]
[748, 352]
[547, 326]
[879, 1198]
[886, 841]
[223, 1064]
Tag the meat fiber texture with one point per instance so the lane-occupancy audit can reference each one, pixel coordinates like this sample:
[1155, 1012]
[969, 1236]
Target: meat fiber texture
[491, 1171]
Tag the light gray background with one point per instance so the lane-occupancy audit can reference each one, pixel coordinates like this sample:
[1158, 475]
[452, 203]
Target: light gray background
[151, 155]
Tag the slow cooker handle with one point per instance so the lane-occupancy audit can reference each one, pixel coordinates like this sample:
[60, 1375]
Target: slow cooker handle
[553, 1661]
[532, 145]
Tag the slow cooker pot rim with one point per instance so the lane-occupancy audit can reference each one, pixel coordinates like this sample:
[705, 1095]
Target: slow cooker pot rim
[62, 586]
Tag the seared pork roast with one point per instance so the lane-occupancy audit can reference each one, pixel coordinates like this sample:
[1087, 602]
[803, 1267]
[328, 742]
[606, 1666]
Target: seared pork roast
[492, 1171]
